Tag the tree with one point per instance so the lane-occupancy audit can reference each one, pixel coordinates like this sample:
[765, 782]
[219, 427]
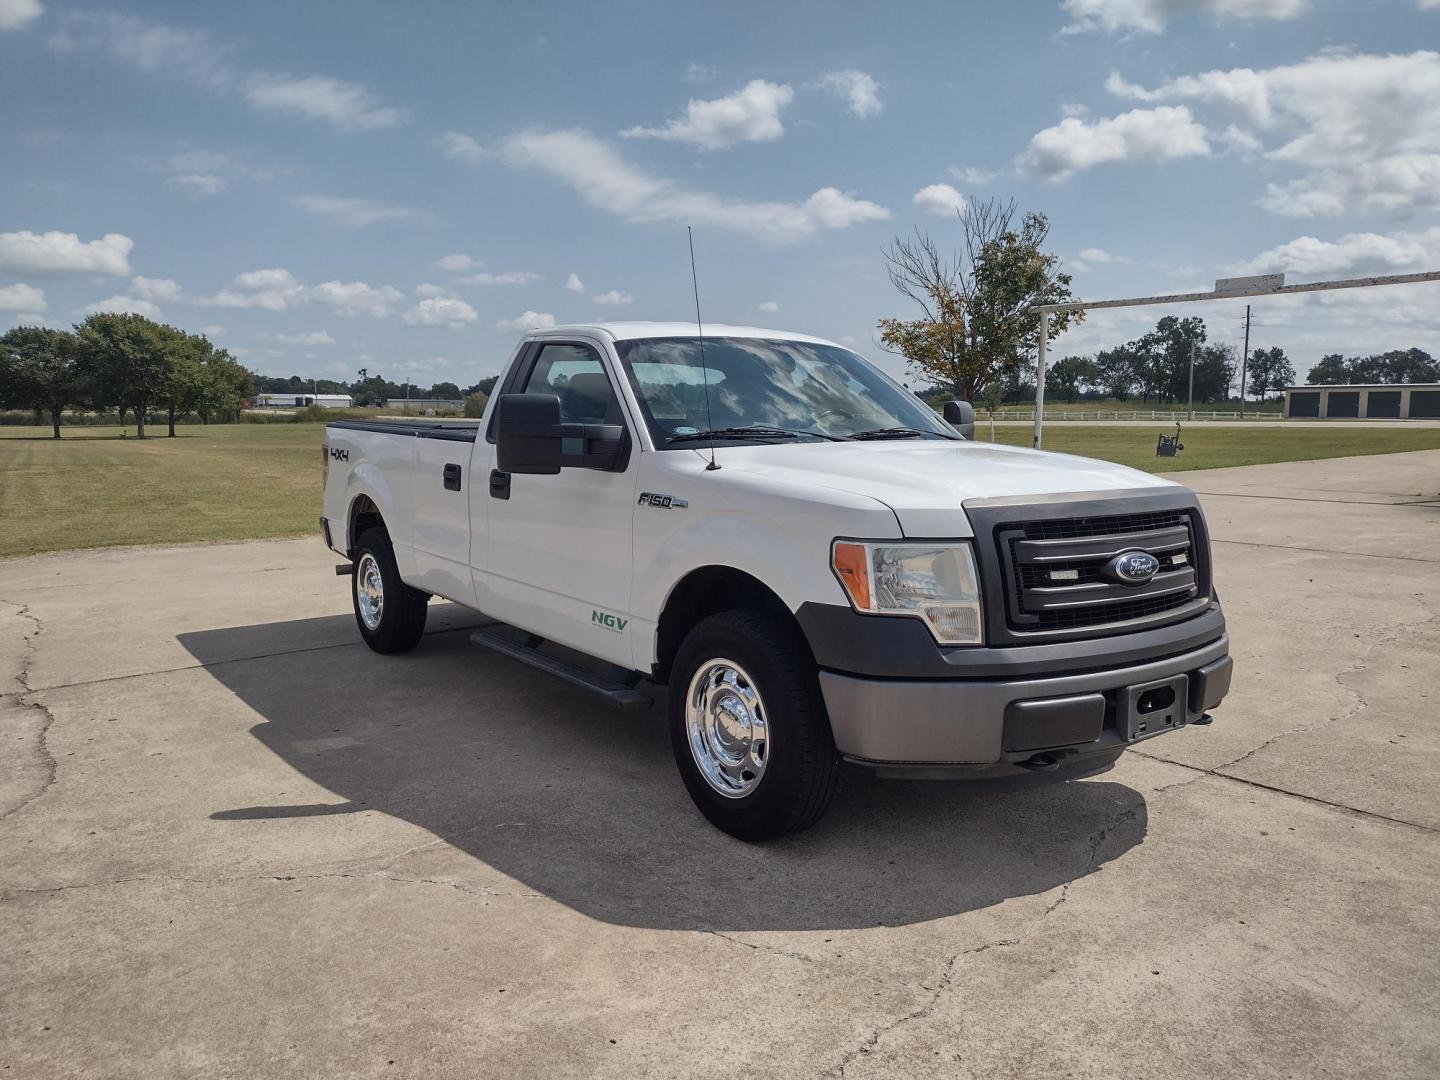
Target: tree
[977, 325]
[1116, 370]
[1070, 374]
[485, 386]
[40, 371]
[475, 403]
[1332, 370]
[1410, 366]
[127, 359]
[1270, 370]
[446, 390]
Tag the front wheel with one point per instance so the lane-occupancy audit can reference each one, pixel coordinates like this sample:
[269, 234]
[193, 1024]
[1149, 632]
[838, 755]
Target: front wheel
[748, 726]
[390, 614]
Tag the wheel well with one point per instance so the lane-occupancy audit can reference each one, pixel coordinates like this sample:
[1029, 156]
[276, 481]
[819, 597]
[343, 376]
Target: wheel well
[364, 514]
[703, 592]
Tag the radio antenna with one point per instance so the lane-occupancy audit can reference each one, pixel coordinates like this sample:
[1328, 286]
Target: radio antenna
[700, 336]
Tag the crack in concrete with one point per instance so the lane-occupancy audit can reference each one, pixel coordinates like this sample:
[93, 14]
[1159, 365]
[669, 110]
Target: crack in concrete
[483, 891]
[207, 665]
[947, 971]
[1360, 704]
[22, 677]
[756, 946]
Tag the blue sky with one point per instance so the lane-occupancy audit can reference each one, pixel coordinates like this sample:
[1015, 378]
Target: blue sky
[326, 186]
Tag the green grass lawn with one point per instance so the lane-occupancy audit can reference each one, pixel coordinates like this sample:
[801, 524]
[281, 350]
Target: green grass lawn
[244, 481]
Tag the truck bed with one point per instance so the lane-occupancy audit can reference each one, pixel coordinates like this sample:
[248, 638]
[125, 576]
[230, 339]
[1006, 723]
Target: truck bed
[450, 430]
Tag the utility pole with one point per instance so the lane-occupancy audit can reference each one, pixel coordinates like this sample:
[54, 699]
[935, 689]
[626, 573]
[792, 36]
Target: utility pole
[1190, 408]
[1244, 361]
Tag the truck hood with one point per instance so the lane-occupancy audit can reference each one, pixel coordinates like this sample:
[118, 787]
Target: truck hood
[925, 482]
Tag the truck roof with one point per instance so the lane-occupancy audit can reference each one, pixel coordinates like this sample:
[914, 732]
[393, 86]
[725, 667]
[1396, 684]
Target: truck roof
[625, 331]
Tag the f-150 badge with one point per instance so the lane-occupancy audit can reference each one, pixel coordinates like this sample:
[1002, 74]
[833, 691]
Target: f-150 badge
[662, 502]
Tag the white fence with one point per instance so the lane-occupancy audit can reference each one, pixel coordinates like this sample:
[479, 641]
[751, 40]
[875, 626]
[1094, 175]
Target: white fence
[1170, 416]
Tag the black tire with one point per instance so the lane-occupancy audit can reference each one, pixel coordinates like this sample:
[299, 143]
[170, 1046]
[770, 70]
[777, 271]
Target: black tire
[402, 613]
[801, 766]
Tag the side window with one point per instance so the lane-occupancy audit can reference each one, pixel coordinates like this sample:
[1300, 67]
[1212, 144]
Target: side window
[575, 374]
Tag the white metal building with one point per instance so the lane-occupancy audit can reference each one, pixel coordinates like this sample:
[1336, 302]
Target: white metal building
[1364, 401]
[300, 401]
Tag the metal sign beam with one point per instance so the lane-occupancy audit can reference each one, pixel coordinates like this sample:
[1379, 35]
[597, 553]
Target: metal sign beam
[1226, 289]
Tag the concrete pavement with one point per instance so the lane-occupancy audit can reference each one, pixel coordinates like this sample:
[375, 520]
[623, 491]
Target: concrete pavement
[233, 842]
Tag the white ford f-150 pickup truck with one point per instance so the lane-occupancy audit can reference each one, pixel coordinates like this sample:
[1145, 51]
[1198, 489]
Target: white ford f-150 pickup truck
[819, 568]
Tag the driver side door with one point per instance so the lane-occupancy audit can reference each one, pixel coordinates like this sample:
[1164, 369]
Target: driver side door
[559, 560]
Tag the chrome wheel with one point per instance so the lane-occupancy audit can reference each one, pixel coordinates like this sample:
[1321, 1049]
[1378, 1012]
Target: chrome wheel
[726, 727]
[370, 591]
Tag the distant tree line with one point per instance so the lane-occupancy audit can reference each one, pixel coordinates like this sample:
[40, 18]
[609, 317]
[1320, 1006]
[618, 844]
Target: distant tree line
[368, 390]
[123, 362]
[1395, 366]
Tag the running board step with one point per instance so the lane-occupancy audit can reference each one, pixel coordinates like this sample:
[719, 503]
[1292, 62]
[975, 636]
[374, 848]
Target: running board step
[612, 691]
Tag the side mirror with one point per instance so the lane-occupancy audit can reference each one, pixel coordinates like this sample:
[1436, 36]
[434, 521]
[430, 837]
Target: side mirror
[960, 415]
[531, 438]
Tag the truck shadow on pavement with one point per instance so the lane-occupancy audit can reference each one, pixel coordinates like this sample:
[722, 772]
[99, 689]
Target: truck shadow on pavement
[583, 804]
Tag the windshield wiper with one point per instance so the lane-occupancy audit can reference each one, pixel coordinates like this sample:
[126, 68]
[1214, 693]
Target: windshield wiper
[756, 432]
[894, 433]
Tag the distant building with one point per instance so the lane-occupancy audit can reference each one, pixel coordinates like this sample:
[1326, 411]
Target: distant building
[1368, 401]
[300, 401]
[423, 405]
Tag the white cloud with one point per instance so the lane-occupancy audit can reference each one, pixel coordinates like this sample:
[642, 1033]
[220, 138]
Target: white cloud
[213, 331]
[458, 146]
[441, 311]
[313, 337]
[1150, 16]
[196, 185]
[860, 91]
[574, 284]
[351, 298]
[121, 305]
[613, 298]
[28, 318]
[1240, 140]
[1091, 257]
[942, 200]
[1364, 130]
[605, 180]
[526, 320]
[700, 73]
[160, 290]
[172, 50]
[506, 277]
[21, 297]
[355, 213]
[1159, 134]
[769, 306]
[969, 174]
[427, 289]
[751, 114]
[346, 106]
[17, 14]
[276, 289]
[1353, 254]
[26, 252]
[456, 262]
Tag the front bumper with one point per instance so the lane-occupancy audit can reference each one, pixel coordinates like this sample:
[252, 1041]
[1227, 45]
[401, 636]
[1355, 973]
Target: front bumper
[990, 725]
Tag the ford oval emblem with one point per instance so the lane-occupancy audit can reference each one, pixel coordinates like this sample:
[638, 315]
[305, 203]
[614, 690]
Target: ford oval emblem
[1132, 567]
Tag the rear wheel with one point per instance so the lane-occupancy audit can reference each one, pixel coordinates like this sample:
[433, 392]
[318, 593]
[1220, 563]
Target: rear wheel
[390, 614]
[748, 726]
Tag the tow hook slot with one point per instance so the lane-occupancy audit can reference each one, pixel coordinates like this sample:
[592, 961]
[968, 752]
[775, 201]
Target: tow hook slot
[1039, 763]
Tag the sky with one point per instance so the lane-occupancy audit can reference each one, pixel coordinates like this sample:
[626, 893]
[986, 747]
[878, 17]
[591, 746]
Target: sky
[326, 186]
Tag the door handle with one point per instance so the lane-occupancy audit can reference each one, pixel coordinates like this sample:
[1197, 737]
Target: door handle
[499, 484]
[452, 477]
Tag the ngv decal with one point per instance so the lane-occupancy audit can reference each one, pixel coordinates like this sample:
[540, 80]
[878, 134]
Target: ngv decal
[608, 621]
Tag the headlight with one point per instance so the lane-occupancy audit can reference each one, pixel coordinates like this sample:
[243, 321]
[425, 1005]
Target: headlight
[935, 582]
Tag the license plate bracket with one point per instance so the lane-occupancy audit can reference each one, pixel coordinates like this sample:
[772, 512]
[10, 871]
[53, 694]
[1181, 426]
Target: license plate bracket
[1153, 708]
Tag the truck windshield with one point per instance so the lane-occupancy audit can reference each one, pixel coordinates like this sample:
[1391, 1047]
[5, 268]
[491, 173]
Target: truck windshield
[794, 386]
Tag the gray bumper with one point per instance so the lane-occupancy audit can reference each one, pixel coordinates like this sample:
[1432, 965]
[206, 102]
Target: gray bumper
[993, 722]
